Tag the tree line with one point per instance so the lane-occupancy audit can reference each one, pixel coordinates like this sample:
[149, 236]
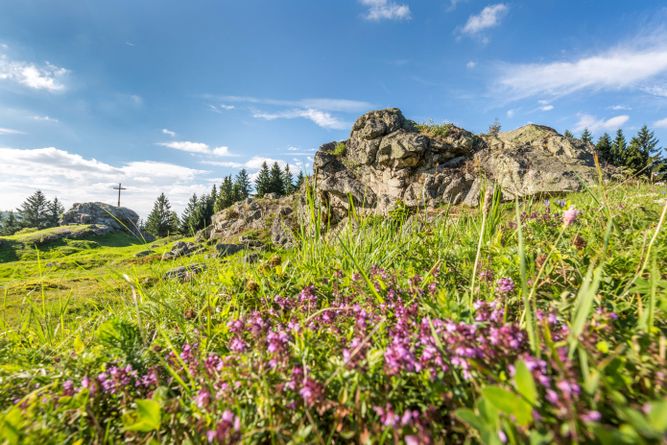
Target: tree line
[199, 210]
[641, 157]
[35, 212]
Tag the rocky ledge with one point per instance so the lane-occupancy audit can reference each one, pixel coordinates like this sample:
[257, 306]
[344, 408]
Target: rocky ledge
[390, 159]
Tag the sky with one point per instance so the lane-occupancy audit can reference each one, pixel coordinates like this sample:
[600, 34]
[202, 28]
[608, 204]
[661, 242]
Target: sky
[171, 96]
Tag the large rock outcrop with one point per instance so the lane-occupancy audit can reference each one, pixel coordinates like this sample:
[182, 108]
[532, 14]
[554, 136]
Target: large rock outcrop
[388, 159]
[101, 214]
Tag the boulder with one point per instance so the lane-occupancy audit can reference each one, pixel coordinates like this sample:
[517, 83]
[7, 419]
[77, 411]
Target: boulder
[389, 160]
[179, 249]
[228, 249]
[101, 214]
[144, 253]
[185, 273]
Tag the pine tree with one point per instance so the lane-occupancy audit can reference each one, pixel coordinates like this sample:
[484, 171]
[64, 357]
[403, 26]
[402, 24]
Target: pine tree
[276, 184]
[568, 135]
[34, 211]
[187, 222]
[213, 197]
[242, 184]
[205, 211]
[643, 152]
[226, 195]
[300, 179]
[288, 181]
[603, 148]
[162, 221]
[263, 181]
[55, 212]
[618, 149]
[10, 225]
[586, 137]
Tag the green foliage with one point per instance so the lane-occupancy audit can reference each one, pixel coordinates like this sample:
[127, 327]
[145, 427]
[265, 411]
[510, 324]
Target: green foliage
[586, 137]
[263, 181]
[162, 221]
[435, 130]
[603, 148]
[340, 149]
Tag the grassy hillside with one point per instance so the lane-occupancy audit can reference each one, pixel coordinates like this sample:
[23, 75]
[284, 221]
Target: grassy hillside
[536, 324]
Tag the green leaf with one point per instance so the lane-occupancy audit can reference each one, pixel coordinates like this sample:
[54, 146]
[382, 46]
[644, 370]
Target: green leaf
[468, 416]
[509, 403]
[145, 418]
[657, 416]
[524, 382]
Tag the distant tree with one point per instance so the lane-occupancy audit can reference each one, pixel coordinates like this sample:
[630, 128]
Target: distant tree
[263, 181]
[34, 211]
[586, 137]
[187, 223]
[162, 221]
[300, 179]
[242, 184]
[206, 211]
[276, 181]
[55, 212]
[495, 127]
[10, 224]
[618, 149]
[603, 148]
[226, 195]
[213, 196]
[568, 135]
[288, 180]
[643, 152]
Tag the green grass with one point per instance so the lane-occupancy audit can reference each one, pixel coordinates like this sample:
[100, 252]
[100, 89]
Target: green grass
[602, 279]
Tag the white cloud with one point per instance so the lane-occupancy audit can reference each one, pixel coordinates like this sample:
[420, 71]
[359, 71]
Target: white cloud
[619, 107]
[490, 17]
[385, 10]
[547, 107]
[73, 178]
[510, 113]
[171, 134]
[619, 68]
[254, 163]
[220, 107]
[10, 131]
[327, 104]
[45, 118]
[319, 117]
[662, 123]
[44, 77]
[197, 148]
[594, 124]
[471, 64]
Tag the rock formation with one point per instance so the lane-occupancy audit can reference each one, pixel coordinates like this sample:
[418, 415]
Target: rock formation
[390, 159]
[101, 214]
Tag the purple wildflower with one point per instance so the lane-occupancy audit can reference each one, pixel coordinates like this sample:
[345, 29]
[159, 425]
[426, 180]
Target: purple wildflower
[570, 216]
[505, 285]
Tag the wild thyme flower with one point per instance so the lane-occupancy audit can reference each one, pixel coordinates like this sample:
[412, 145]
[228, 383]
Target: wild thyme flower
[570, 216]
[505, 285]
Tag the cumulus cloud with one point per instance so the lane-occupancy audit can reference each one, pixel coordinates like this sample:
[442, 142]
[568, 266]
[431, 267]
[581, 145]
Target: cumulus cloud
[594, 124]
[489, 17]
[73, 178]
[171, 134]
[197, 148]
[629, 66]
[662, 123]
[320, 118]
[47, 76]
[385, 10]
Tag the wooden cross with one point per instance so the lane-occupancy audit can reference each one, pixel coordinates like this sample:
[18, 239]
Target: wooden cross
[119, 188]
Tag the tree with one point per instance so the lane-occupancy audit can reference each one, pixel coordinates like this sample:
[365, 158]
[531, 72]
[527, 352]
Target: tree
[10, 225]
[188, 224]
[33, 211]
[643, 152]
[276, 182]
[495, 127]
[603, 148]
[568, 135]
[55, 212]
[263, 181]
[586, 137]
[242, 184]
[226, 195]
[162, 221]
[618, 149]
[288, 181]
[300, 179]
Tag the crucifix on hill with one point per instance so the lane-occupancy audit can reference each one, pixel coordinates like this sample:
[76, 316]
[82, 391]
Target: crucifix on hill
[119, 188]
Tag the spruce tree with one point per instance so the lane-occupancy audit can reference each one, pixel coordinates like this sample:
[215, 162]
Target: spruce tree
[10, 224]
[643, 152]
[226, 195]
[300, 179]
[242, 184]
[586, 137]
[187, 223]
[276, 182]
[263, 181]
[603, 148]
[618, 149]
[34, 211]
[288, 181]
[568, 135]
[55, 212]
[162, 221]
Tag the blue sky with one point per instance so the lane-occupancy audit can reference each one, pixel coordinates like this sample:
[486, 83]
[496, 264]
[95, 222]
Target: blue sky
[170, 96]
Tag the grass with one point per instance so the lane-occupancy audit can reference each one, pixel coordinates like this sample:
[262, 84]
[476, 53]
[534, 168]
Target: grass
[388, 330]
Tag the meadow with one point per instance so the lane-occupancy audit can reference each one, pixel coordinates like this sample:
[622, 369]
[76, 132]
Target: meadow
[541, 321]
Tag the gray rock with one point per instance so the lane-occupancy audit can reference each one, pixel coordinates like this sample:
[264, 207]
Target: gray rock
[144, 253]
[388, 159]
[99, 213]
[185, 273]
[179, 249]
[228, 249]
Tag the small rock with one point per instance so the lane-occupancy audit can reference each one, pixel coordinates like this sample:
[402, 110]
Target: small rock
[185, 273]
[144, 253]
[228, 249]
[180, 249]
